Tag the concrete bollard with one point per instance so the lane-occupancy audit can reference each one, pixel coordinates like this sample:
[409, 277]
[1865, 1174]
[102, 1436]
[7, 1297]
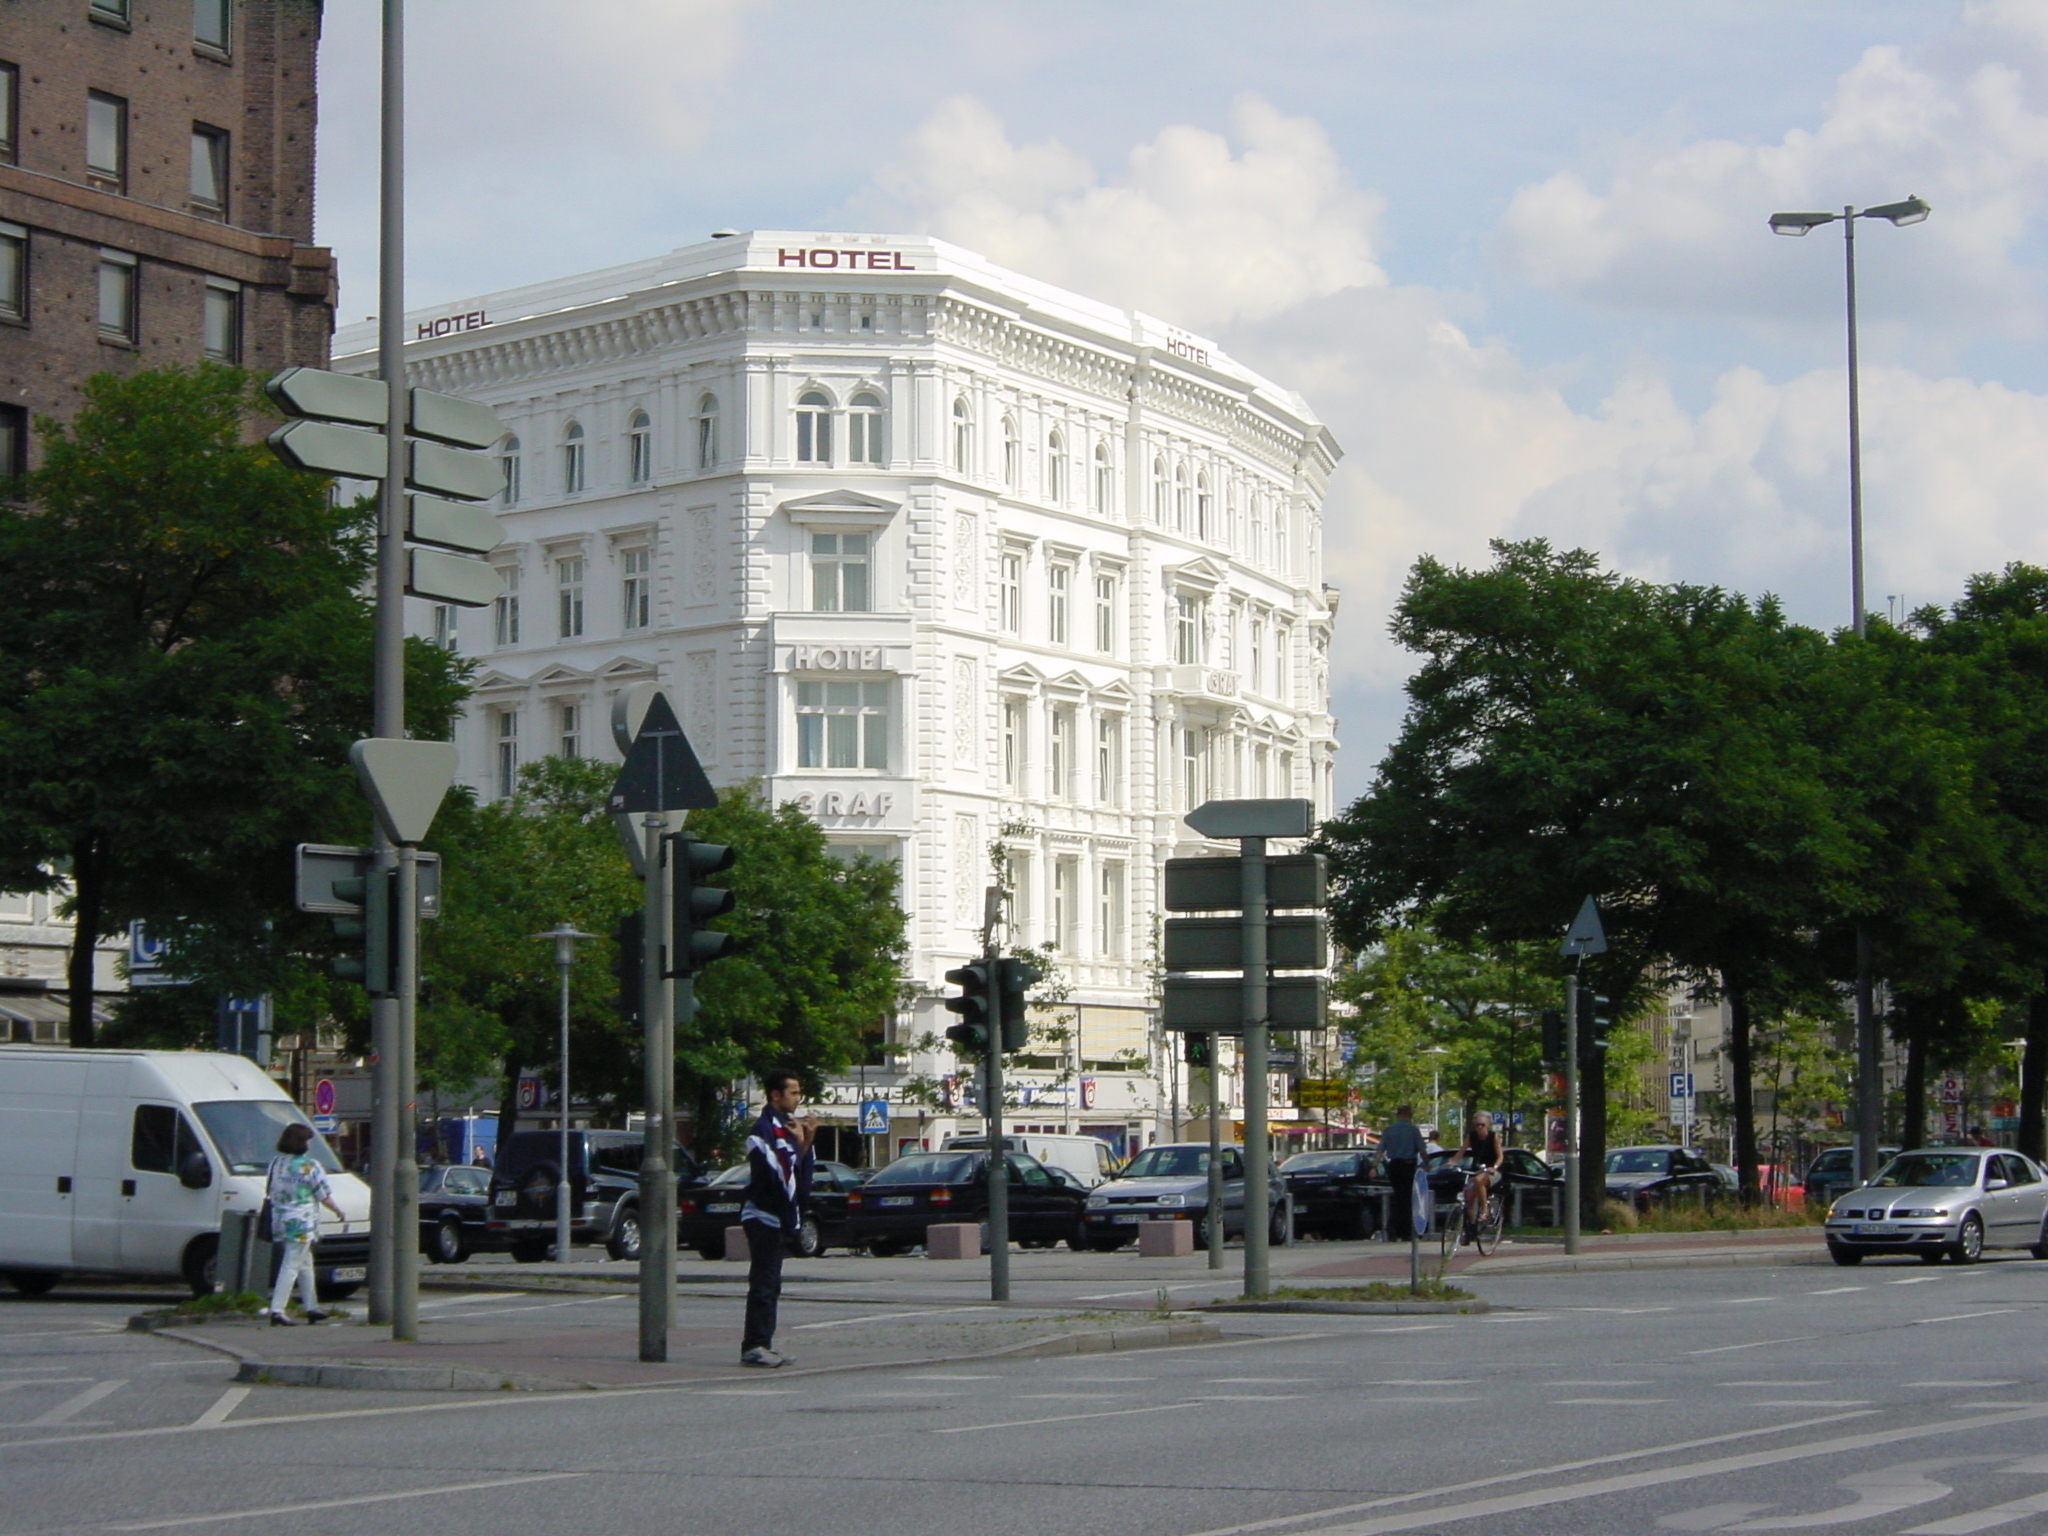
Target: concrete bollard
[736, 1245]
[953, 1240]
[1165, 1239]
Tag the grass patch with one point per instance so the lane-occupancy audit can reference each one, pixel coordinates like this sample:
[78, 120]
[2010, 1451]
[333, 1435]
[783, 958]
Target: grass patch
[1378, 1290]
[1724, 1217]
[220, 1304]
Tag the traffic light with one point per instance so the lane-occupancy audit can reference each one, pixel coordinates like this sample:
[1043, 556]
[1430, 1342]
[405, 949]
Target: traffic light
[1596, 1017]
[1194, 1050]
[370, 932]
[629, 956]
[1014, 978]
[1553, 1036]
[693, 945]
[973, 1006]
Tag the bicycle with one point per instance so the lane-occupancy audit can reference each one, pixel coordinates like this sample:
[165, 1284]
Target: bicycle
[1460, 1227]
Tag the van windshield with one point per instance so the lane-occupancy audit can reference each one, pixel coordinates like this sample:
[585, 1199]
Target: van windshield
[246, 1131]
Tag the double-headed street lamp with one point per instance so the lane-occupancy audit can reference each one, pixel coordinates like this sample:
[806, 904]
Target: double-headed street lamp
[565, 936]
[1869, 1081]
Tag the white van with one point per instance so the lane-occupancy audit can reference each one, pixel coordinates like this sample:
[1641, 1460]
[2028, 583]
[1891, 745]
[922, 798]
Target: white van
[1087, 1158]
[124, 1162]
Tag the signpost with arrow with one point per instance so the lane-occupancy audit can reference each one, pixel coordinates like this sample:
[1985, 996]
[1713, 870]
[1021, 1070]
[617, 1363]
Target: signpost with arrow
[1585, 938]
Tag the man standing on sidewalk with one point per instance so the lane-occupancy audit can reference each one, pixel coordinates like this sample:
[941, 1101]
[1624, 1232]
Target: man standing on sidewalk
[1400, 1151]
[779, 1160]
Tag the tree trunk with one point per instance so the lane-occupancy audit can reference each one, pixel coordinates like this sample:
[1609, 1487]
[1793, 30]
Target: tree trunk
[88, 901]
[2033, 1137]
[1913, 1132]
[1742, 1093]
[508, 1105]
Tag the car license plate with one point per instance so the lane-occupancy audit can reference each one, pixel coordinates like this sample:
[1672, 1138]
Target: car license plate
[899, 1200]
[721, 1210]
[1125, 1221]
[350, 1272]
[1875, 1229]
[506, 1197]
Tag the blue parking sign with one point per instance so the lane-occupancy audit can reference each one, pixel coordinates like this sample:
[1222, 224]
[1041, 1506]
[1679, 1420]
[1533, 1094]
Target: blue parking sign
[1681, 1085]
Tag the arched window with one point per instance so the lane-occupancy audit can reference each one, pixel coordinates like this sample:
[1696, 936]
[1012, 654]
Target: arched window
[1013, 453]
[707, 430]
[813, 427]
[1055, 467]
[572, 458]
[639, 449]
[1159, 491]
[963, 438]
[865, 443]
[1104, 484]
[1182, 505]
[508, 457]
[1205, 508]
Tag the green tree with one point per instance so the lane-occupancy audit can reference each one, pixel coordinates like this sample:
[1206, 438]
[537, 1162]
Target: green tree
[186, 659]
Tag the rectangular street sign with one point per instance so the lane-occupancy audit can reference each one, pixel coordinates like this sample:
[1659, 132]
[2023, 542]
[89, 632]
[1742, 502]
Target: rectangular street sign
[1208, 1003]
[453, 471]
[319, 865]
[1211, 885]
[447, 578]
[452, 419]
[1321, 1093]
[464, 525]
[326, 449]
[325, 396]
[1217, 943]
[1253, 818]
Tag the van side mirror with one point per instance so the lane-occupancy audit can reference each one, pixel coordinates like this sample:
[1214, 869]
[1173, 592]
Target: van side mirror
[195, 1172]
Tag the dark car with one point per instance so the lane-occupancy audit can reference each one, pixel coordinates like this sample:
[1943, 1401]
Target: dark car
[704, 1211]
[1170, 1182]
[1833, 1173]
[604, 1191]
[889, 1213]
[1647, 1176]
[455, 1212]
[1338, 1193]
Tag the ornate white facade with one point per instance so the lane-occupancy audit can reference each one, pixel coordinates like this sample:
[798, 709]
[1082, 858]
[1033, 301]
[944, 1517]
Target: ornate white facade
[954, 559]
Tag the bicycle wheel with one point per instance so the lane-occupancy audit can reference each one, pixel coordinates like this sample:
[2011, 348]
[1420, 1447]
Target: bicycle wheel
[1487, 1237]
[1453, 1229]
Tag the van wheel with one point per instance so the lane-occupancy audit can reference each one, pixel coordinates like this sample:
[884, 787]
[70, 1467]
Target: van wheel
[624, 1243]
[201, 1267]
[33, 1282]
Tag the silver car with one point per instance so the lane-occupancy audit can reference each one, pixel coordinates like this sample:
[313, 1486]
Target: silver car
[1951, 1202]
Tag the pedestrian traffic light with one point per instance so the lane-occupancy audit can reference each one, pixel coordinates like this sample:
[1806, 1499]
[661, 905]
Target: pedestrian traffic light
[629, 957]
[1596, 1017]
[1553, 1036]
[694, 946]
[1014, 978]
[973, 1006]
[1194, 1050]
[370, 933]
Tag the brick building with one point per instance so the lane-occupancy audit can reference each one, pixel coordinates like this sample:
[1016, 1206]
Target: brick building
[156, 195]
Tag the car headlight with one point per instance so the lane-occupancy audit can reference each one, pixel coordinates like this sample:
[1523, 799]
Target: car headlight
[1171, 1200]
[1921, 1211]
[1097, 1202]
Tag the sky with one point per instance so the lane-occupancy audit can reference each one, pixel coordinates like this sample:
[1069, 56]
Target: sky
[1516, 255]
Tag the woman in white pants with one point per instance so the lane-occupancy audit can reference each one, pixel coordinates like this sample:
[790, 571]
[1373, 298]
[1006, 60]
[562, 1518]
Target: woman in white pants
[297, 1189]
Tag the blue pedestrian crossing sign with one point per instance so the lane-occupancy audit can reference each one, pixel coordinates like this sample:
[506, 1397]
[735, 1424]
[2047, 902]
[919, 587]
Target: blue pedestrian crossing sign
[874, 1117]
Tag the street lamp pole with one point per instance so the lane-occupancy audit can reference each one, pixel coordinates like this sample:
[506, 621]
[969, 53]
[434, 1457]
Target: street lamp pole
[565, 936]
[1869, 1055]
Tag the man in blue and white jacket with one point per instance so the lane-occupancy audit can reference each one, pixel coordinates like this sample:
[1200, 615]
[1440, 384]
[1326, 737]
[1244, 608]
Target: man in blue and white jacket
[779, 1160]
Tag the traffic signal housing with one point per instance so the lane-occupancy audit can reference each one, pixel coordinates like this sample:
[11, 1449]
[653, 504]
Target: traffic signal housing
[1596, 1017]
[629, 956]
[1194, 1050]
[370, 933]
[695, 946]
[1014, 979]
[977, 994]
[1553, 1037]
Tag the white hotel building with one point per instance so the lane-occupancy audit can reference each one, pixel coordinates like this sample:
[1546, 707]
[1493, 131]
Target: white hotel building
[952, 558]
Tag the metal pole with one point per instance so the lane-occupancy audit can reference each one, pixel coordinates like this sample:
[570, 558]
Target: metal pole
[1258, 1147]
[1855, 434]
[657, 1178]
[1571, 1114]
[405, 1173]
[563, 957]
[998, 1164]
[1212, 1218]
[388, 654]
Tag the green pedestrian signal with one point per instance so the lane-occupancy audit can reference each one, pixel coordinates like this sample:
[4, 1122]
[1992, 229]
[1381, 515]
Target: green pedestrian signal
[1194, 1050]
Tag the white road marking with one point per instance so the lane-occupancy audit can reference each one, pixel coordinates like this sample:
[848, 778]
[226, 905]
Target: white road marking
[223, 1405]
[941, 1376]
[46, 1381]
[1150, 1290]
[549, 1306]
[363, 1498]
[1267, 1397]
[464, 1301]
[751, 1392]
[1883, 1492]
[1610, 1382]
[1984, 1519]
[1722, 1349]
[1811, 1402]
[1965, 1383]
[1256, 1381]
[883, 1317]
[1743, 1301]
[1957, 1317]
[1917, 1280]
[1059, 1418]
[1065, 1397]
[1839, 1290]
[1777, 1383]
[1412, 1328]
[71, 1407]
[1608, 1402]
[1403, 1381]
[1710, 1517]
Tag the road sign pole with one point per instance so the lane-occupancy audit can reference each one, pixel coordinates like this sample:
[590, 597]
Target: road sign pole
[1257, 1144]
[1571, 1114]
[657, 1178]
[405, 1180]
[1212, 1218]
[998, 1164]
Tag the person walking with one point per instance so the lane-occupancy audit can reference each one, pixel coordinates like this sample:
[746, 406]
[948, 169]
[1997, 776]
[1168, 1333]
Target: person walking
[296, 1189]
[1401, 1153]
[779, 1182]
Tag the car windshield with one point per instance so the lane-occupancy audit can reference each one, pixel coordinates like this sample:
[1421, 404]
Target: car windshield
[1303, 1162]
[739, 1173]
[1638, 1160]
[928, 1168]
[1835, 1161]
[246, 1131]
[1167, 1163]
[1920, 1170]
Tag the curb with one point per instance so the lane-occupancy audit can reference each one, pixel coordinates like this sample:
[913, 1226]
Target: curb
[435, 1378]
[1498, 1269]
[1354, 1308]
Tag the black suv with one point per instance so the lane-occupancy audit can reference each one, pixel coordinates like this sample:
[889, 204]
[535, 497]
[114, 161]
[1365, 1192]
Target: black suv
[604, 1191]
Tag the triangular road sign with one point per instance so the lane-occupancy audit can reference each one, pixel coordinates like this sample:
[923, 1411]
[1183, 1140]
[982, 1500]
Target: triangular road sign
[661, 771]
[1587, 936]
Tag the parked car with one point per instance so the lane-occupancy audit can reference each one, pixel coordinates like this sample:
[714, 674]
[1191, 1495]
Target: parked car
[1647, 1176]
[604, 1191]
[1088, 1158]
[1833, 1173]
[1170, 1182]
[1336, 1193]
[704, 1211]
[455, 1212]
[1952, 1203]
[889, 1212]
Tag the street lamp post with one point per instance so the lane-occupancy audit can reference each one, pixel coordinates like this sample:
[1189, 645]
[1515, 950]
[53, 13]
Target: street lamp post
[1436, 1089]
[565, 936]
[1869, 1069]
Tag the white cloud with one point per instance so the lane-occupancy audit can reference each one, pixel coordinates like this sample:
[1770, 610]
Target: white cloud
[1193, 229]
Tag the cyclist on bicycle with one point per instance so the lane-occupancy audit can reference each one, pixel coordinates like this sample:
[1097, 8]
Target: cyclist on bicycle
[1481, 1156]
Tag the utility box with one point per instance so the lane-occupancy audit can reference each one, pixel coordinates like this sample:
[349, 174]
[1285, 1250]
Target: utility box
[244, 1261]
[1165, 1239]
[953, 1240]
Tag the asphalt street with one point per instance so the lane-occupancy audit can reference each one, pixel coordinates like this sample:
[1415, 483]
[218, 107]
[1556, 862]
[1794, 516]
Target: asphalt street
[1890, 1398]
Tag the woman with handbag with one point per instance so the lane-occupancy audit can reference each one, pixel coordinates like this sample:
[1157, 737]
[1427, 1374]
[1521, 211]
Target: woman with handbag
[297, 1189]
